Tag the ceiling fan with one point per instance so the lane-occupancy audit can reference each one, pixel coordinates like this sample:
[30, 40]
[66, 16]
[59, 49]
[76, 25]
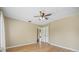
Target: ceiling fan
[42, 15]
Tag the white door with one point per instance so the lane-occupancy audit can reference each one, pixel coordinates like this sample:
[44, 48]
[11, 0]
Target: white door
[2, 33]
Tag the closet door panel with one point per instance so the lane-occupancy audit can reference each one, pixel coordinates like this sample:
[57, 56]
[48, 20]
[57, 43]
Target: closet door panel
[2, 33]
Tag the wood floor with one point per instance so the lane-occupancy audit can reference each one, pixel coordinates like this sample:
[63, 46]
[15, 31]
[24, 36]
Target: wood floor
[43, 47]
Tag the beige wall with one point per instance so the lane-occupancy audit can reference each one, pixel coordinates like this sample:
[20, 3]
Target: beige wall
[19, 32]
[65, 32]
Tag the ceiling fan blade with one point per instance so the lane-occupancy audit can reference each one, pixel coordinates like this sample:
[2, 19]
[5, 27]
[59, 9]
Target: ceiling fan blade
[48, 15]
[36, 16]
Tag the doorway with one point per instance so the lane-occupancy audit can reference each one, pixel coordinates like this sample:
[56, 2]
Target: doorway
[43, 34]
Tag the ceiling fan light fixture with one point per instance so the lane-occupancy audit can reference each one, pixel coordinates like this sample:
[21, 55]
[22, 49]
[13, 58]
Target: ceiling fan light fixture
[43, 16]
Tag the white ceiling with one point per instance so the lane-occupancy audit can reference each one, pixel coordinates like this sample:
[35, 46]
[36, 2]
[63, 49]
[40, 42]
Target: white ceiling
[28, 13]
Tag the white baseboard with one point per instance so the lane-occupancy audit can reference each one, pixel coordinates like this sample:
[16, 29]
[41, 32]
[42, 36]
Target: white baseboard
[20, 45]
[64, 47]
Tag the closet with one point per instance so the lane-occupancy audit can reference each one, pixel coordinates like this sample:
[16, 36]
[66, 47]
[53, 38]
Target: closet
[2, 33]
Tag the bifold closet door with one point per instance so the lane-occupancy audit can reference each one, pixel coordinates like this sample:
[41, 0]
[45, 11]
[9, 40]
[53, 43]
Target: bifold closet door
[2, 33]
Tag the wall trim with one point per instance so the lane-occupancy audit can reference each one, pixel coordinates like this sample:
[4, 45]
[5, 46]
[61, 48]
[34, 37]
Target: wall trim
[19, 45]
[63, 47]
